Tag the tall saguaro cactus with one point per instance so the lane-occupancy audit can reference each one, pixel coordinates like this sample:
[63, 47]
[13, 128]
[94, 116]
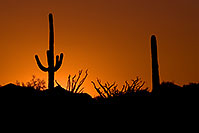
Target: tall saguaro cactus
[51, 69]
[155, 69]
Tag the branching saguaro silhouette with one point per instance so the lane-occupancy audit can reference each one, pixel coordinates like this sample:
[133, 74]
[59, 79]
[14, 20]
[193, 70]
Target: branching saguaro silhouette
[51, 69]
[155, 67]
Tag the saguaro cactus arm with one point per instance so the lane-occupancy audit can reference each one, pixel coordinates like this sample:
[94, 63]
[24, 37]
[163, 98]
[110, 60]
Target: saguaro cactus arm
[40, 65]
[58, 62]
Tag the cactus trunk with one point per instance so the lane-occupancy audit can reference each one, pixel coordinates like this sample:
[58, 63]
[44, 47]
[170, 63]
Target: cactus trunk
[51, 53]
[50, 79]
[155, 69]
[51, 69]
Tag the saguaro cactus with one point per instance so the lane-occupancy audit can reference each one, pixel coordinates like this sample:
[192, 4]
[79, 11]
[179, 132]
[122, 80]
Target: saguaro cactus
[155, 71]
[51, 69]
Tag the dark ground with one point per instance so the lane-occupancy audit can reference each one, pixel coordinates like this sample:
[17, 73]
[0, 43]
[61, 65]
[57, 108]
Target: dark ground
[167, 92]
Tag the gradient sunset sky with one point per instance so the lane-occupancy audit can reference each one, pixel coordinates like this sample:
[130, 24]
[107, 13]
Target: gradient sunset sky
[111, 38]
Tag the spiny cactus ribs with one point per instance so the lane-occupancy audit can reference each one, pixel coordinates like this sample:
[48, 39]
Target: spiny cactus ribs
[155, 69]
[51, 69]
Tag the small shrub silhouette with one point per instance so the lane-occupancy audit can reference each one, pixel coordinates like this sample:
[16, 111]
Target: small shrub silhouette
[107, 90]
[35, 83]
[74, 84]
[110, 93]
[51, 69]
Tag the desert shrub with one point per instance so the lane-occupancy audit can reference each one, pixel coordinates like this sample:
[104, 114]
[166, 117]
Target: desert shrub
[108, 90]
[35, 83]
[74, 83]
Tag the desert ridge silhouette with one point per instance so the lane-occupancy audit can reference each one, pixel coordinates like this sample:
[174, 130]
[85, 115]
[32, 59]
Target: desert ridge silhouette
[51, 69]
[14, 93]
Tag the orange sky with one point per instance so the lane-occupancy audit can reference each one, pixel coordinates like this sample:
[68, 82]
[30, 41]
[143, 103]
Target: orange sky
[109, 37]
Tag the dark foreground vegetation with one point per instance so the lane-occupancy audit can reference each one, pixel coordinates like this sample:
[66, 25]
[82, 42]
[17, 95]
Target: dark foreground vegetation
[167, 90]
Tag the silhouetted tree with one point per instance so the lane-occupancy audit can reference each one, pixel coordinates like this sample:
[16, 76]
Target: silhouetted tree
[155, 69]
[51, 69]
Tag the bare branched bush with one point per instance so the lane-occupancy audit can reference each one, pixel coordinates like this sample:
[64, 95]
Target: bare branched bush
[35, 83]
[107, 90]
[74, 83]
[133, 87]
[110, 90]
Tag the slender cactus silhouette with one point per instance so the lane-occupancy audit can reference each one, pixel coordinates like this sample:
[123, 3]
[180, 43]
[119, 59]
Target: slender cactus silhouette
[51, 69]
[155, 69]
